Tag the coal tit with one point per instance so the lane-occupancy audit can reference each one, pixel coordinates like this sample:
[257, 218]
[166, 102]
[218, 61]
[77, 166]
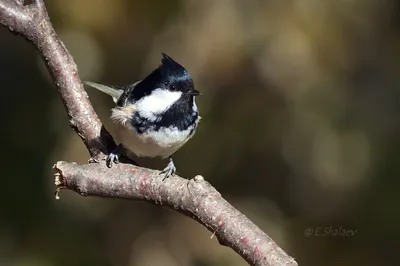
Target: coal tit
[155, 116]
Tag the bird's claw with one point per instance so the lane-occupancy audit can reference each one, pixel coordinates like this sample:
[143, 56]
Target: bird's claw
[169, 170]
[113, 157]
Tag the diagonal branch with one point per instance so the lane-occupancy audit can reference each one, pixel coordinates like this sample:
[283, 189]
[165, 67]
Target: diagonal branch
[195, 198]
[32, 22]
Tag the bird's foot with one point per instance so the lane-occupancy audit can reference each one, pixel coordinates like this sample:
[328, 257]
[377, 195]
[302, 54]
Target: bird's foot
[114, 156]
[169, 170]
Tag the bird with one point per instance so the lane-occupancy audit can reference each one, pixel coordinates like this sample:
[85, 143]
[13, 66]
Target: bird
[154, 116]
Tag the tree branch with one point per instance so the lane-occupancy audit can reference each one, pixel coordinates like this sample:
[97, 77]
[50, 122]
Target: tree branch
[32, 22]
[195, 198]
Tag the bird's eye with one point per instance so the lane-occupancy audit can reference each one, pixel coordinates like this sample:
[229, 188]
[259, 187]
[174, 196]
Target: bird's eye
[173, 87]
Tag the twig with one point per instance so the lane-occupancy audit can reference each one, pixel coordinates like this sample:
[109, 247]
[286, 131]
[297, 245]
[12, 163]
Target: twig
[195, 198]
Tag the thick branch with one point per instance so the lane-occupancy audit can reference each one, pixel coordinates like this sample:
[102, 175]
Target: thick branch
[195, 198]
[32, 21]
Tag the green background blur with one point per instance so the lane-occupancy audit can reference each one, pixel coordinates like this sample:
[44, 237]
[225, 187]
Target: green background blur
[300, 130]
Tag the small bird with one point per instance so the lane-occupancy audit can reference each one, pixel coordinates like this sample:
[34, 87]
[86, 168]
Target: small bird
[155, 116]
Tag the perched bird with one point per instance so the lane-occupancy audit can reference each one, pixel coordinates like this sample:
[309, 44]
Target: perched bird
[155, 116]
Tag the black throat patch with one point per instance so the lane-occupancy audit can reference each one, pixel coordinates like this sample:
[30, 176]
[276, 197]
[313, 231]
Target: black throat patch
[180, 115]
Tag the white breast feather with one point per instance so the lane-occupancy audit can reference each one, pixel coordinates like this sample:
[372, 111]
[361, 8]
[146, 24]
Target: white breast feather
[163, 142]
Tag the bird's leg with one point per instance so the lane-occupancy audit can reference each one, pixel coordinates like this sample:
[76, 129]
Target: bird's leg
[170, 169]
[113, 157]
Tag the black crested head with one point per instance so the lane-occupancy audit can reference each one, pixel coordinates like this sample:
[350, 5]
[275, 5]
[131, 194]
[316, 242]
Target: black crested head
[172, 71]
[169, 75]
[173, 76]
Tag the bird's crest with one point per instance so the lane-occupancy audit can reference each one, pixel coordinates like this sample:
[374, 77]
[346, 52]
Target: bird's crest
[170, 68]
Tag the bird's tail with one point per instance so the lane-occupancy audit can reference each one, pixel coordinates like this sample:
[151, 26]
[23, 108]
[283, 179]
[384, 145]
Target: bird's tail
[114, 92]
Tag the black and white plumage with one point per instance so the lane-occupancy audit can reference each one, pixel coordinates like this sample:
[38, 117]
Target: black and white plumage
[157, 115]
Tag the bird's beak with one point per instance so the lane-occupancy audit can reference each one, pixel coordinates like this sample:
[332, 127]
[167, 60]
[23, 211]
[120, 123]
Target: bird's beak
[194, 93]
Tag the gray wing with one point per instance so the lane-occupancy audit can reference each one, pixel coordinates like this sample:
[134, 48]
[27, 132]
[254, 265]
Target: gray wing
[127, 90]
[114, 91]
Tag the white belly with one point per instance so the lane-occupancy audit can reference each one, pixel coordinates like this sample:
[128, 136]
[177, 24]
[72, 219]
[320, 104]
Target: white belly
[161, 143]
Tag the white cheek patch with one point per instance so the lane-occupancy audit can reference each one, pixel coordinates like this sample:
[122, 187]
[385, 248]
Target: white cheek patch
[156, 103]
[194, 107]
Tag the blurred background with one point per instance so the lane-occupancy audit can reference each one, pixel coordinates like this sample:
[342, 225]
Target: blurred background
[300, 130]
